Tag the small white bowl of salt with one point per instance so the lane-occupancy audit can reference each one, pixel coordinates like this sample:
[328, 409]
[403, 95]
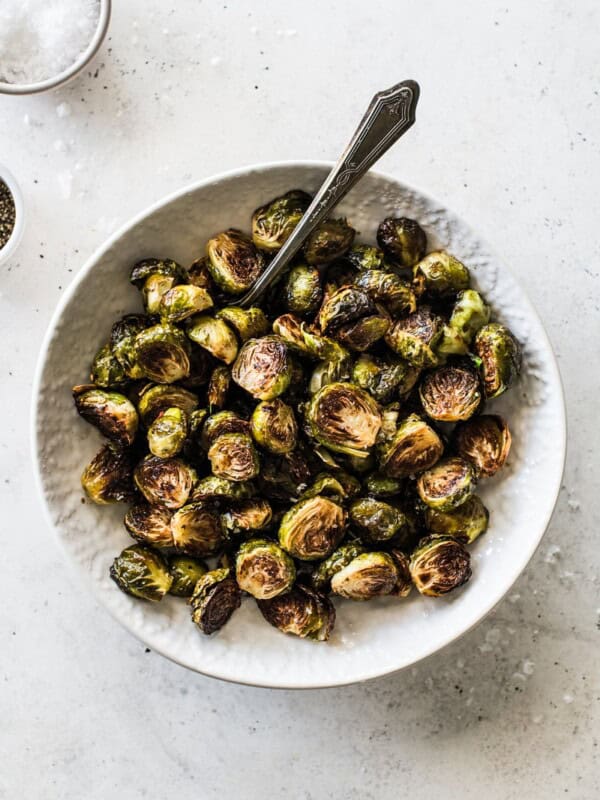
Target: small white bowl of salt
[45, 43]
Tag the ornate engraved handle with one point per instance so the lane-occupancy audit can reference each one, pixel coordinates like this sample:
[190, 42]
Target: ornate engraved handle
[390, 114]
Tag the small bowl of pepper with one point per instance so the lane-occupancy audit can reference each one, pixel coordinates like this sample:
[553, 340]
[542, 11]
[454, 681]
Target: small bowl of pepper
[12, 216]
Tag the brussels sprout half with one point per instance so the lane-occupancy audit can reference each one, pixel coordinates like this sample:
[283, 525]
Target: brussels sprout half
[122, 338]
[301, 612]
[213, 487]
[404, 583]
[396, 294]
[338, 486]
[107, 478]
[342, 306]
[234, 457]
[451, 393]
[470, 313]
[402, 239]
[183, 301]
[484, 442]
[465, 523]
[248, 516]
[414, 337]
[381, 486]
[365, 257]
[304, 340]
[107, 370]
[384, 379]
[154, 399]
[167, 433]
[234, 262]
[366, 576]
[263, 367]
[222, 422]
[263, 569]
[150, 525]
[186, 573]
[500, 355]
[303, 290]
[376, 520]
[415, 446]
[274, 426]
[447, 484]
[215, 336]
[344, 418]
[197, 530]
[439, 565]
[329, 241]
[141, 572]
[439, 274]
[154, 277]
[273, 223]
[216, 596]
[162, 352]
[312, 528]
[164, 481]
[110, 412]
[218, 388]
[248, 323]
[340, 558]
[362, 334]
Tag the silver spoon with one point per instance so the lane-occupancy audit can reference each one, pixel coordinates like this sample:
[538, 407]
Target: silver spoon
[389, 115]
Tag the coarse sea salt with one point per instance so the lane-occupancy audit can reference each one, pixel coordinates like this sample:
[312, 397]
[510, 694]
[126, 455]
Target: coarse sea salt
[41, 38]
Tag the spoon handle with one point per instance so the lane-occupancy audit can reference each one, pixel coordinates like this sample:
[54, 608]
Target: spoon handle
[390, 114]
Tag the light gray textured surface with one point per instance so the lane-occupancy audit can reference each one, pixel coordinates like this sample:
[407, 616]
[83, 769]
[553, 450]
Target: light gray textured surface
[508, 136]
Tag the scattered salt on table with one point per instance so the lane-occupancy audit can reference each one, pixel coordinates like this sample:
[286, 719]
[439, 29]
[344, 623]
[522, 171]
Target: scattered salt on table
[41, 38]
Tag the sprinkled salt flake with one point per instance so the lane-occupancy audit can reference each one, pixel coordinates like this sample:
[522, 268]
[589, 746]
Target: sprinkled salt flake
[460, 663]
[574, 505]
[485, 648]
[552, 555]
[63, 110]
[65, 183]
[528, 666]
[469, 702]
[215, 61]
[514, 598]
[518, 677]
[493, 636]
[568, 698]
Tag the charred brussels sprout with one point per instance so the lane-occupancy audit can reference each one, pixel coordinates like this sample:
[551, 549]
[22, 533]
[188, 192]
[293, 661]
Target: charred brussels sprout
[306, 341]
[303, 291]
[334, 371]
[484, 442]
[340, 558]
[439, 565]
[263, 569]
[312, 528]
[274, 427]
[366, 576]
[234, 457]
[150, 525]
[197, 530]
[365, 257]
[404, 583]
[439, 274]
[112, 413]
[273, 223]
[154, 277]
[163, 353]
[201, 364]
[384, 379]
[218, 388]
[376, 520]
[402, 239]
[248, 516]
[164, 481]
[213, 487]
[396, 294]
[301, 612]
[380, 486]
[107, 370]
[447, 484]
[465, 523]
[122, 338]
[329, 241]
[186, 572]
[338, 486]
[199, 274]
[154, 400]
[216, 596]
[248, 323]
[500, 355]
[362, 334]
[263, 367]
[344, 418]
[414, 337]
[451, 393]
[141, 572]
[450, 343]
[285, 477]
[344, 305]
[183, 301]
[415, 446]
[234, 262]
[167, 433]
[222, 422]
[214, 335]
[470, 313]
[107, 478]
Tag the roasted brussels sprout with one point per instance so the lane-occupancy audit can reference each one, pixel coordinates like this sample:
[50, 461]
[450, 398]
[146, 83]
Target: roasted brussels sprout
[376, 520]
[196, 424]
[312, 528]
[197, 530]
[216, 596]
[500, 355]
[198, 274]
[165, 481]
[274, 427]
[248, 323]
[218, 388]
[201, 366]
[248, 516]
[163, 353]
[107, 478]
[439, 274]
[329, 241]
[344, 305]
[273, 223]
[284, 478]
[451, 393]
[384, 379]
[234, 457]
[363, 333]
[344, 418]
[368, 575]
[301, 612]
[470, 313]
[141, 572]
[302, 339]
[414, 337]
[338, 486]
[447, 484]
[183, 301]
[214, 335]
[186, 573]
[150, 525]
[340, 558]
[107, 370]
[404, 583]
[334, 371]
[213, 487]
[155, 399]
[439, 565]
[484, 442]
[234, 262]
[303, 290]
[222, 422]
[154, 277]
[365, 257]
[263, 569]
[465, 523]
[450, 343]
[263, 367]
[396, 294]
[112, 413]
[402, 239]
[167, 433]
[122, 338]
[380, 486]
[415, 446]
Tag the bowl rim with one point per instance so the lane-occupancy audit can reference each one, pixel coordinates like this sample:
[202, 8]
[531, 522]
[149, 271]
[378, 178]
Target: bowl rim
[368, 673]
[17, 232]
[73, 69]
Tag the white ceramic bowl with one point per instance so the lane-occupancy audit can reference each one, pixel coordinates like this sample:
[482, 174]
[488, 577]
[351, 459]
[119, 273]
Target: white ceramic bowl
[11, 245]
[369, 640]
